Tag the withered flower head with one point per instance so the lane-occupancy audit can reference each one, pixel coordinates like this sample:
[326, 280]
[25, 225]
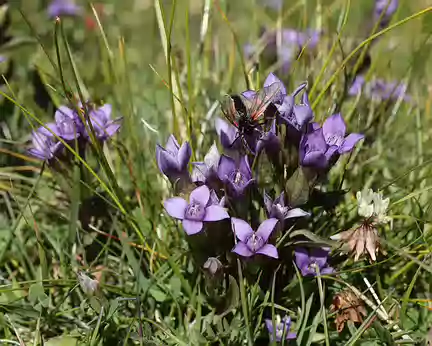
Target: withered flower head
[361, 240]
[348, 307]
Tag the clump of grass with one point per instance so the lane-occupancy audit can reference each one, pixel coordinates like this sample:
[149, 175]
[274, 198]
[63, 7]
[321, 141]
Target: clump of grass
[88, 254]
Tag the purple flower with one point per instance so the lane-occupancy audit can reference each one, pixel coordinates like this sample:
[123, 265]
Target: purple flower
[228, 134]
[206, 172]
[59, 8]
[269, 141]
[314, 151]
[250, 242]
[379, 89]
[197, 211]
[282, 329]
[67, 125]
[173, 159]
[311, 262]
[103, 126]
[278, 210]
[237, 176]
[44, 146]
[389, 6]
[334, 130]
[296, 116]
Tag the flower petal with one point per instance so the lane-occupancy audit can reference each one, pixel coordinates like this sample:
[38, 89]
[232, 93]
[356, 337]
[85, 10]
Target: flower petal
[301, 257]
[211, 159]
[200, 194]
[319, 255]
[277, 84]
[315, 159]
[266, 228]
[165, 160]
[291, 336]
[112, 128]
[172, 145]
[226, 167]
[349, 142]
[334, 126]
[269, 250]
[176, 207]
[199, 172]
[326, 270]
[296, 212]
[268, 202]
[244, 167]
[192, 227]
[184, 155]
[215, 213]
[241, 229]
[242, 250]
[269, 325]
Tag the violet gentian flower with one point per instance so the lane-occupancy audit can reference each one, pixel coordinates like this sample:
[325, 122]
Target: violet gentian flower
[334, 130]
[59, 8]
[196, 212]
[206, 172]
[228, 134]
[278, 210]
[251, 243]
[67, 125]
[173, 159]
[103, 126]
[269, 141]
[314, 150]
[237, 176]
[389, 6]
[281, 330]
[311, 262]
[44, 145]
[379, 89]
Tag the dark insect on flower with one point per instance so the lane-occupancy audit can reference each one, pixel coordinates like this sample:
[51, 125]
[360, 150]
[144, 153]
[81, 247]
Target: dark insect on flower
[251, 112]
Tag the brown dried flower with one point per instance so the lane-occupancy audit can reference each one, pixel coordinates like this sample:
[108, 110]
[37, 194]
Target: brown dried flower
[348, 307]
[361, 240]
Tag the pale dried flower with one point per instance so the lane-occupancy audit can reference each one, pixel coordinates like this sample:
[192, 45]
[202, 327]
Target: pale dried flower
[87, 284]
[348, 307]
[361, 240]
[373, 206]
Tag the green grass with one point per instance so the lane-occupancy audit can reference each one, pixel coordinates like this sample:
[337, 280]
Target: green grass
[164, 66]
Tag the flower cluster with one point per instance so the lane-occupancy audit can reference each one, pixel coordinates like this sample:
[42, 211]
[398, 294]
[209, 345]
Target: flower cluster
[244, 191]
[70, 127]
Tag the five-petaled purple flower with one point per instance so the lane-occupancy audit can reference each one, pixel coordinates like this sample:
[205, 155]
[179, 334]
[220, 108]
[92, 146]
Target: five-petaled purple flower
[281, 330]
[334, 130]
[44, 145]
[236, 176]
[251, 243]
[103, 126]
[173, 160]
[313, 262]
[278, 210]
[199, 210]
[295, 116]
[59, 8]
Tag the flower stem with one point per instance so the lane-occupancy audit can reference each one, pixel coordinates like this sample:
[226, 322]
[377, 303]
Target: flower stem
[244, 303]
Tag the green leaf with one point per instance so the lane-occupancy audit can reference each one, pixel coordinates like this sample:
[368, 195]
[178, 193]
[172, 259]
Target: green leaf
[232, 296]
[95, 304]
[158, 295]
[62, 341]
[113, 306]
[297, 188]
[37, 296]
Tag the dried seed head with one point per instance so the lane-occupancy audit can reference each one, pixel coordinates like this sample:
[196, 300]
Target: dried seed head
[213, 266]
[361, 241]
[88, 285]
[348, 307]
